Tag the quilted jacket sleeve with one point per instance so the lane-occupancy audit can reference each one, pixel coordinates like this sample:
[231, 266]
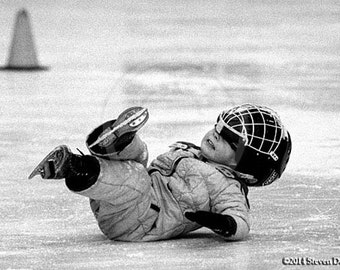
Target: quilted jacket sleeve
[227, 198]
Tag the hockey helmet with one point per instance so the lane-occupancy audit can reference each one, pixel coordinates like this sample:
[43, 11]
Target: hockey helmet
[262, 144]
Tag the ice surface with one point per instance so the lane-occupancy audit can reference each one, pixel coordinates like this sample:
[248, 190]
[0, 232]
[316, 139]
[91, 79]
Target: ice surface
[186, 61]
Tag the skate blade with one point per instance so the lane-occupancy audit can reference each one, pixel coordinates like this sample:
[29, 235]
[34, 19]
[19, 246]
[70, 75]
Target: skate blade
[133, 121]
[39, 170]
[36, 171]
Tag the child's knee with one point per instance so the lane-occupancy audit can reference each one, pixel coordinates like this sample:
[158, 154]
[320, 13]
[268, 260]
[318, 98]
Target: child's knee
[129, 224]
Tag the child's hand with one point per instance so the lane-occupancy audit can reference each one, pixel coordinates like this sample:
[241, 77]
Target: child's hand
[224, 225]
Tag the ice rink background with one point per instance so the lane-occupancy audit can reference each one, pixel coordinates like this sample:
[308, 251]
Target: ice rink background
[186, 61]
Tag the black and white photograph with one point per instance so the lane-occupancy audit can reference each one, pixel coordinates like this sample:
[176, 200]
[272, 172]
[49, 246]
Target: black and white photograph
[170, 134]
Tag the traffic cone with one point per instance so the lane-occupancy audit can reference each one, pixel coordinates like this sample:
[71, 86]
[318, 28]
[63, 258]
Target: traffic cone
[22, 53]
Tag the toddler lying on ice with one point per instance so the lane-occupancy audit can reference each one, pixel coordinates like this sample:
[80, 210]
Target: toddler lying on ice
[181, 190]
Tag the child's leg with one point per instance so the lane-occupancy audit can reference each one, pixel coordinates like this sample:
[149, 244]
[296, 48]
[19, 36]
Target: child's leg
[122, 199]
[116, 139]
[136, 150]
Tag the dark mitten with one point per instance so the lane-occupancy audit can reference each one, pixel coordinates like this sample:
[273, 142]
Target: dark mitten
[224, 225]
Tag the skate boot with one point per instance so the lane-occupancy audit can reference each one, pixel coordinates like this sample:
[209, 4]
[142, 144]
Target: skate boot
[62, 163]
[114, 135]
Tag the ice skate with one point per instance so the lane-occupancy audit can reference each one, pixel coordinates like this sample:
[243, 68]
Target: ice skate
[128, 122]
[54, 165]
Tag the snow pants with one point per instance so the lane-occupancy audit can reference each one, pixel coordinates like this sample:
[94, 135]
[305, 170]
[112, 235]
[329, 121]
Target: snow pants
[122, 199]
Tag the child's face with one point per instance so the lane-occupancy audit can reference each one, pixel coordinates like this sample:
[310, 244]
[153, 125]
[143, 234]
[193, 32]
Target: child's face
[216, 149]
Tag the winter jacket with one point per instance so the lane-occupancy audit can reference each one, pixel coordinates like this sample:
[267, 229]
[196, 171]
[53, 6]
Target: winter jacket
[194, 185]
[133, 202]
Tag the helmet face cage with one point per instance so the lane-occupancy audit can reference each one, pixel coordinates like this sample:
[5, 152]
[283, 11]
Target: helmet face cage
[258, 130]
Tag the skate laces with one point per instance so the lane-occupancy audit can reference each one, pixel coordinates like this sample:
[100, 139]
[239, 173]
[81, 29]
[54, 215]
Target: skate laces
[81, 153]
[77, 164]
